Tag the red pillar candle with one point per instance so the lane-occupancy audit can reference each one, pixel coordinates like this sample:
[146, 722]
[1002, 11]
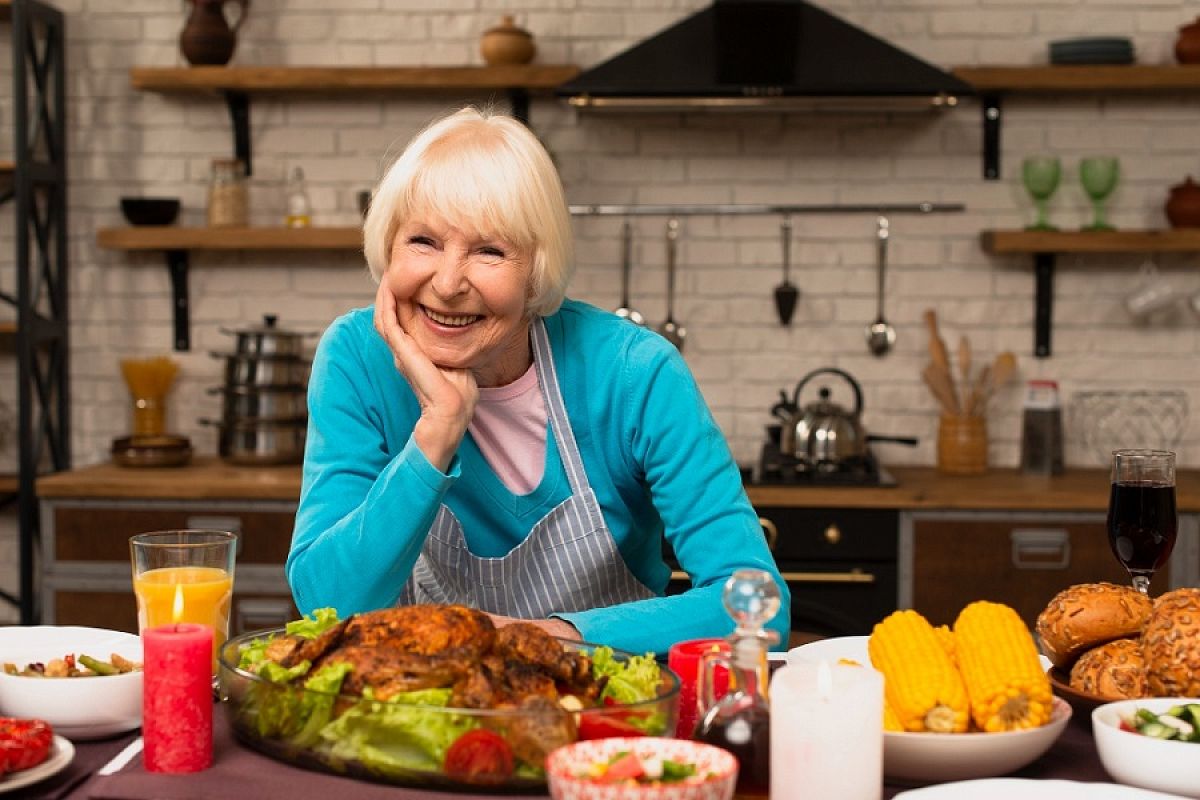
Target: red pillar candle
[177, 703]
[683, 658]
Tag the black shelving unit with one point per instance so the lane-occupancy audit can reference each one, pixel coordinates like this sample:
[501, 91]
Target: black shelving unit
[38, 194]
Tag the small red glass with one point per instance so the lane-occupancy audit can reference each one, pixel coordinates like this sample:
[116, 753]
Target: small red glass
[683, 659]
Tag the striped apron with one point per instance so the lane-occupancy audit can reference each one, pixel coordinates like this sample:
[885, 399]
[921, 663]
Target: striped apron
[568, 562]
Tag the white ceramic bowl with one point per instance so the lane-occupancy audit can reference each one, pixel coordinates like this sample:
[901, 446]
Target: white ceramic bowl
[77, 708]
[951, 756]
[564, 765]
[959, 756]
[1138, 760]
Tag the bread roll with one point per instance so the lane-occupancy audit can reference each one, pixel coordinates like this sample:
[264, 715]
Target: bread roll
[1087, 615]
[1171, 644]
[1114, 671]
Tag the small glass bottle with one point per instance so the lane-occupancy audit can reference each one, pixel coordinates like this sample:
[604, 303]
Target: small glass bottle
[740, 722]
[299, 209]
[228, 205]
[1041, 429]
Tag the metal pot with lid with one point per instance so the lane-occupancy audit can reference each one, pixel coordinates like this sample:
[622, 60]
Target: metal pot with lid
[824, 433]
[268, 339]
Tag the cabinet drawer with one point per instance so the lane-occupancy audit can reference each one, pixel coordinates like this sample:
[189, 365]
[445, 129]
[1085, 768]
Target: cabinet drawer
[834, 534]
[101, 532]
[1020, 562]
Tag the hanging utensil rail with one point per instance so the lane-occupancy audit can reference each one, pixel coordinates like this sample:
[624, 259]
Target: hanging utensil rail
[733, 209]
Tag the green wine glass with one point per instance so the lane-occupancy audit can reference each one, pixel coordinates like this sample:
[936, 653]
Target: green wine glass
[1041, 174]
[1098, 174]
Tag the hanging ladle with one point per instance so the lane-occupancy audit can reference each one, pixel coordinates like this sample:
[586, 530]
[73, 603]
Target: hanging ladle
[625, 311]
[786, 294]
[671, 330]
[880, 335]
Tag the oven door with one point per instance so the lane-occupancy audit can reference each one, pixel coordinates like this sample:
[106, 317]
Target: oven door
[840, 565]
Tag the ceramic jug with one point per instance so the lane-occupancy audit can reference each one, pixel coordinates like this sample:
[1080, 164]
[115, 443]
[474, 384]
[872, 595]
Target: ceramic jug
[1183, 205]
[208, 38]
[1187, 46]
[507, 43]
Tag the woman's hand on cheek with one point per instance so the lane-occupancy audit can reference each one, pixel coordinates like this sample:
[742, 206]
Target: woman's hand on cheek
[447, 396]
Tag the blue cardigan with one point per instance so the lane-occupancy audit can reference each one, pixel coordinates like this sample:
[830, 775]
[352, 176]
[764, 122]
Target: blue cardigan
[653, 453]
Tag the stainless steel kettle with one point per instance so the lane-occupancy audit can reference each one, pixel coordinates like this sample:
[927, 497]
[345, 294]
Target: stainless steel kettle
[824, 433]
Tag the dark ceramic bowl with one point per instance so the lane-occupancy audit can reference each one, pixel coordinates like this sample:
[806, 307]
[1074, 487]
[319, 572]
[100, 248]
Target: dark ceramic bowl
[150, 210]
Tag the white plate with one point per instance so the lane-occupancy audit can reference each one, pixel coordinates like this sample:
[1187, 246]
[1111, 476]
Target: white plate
[1025, 789]
[850, 647]
[78, 708]
[60, 756]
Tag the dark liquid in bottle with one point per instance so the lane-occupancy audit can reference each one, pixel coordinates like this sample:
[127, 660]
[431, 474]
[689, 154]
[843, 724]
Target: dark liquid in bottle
[1142, 525]
[747, 734]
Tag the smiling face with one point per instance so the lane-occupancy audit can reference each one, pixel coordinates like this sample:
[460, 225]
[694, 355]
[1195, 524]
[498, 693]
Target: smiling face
[462, 296]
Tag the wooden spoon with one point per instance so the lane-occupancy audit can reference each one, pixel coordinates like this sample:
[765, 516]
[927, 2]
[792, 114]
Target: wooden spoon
[937, 348]
[940, 384]
[964, 370]
[1003, 368]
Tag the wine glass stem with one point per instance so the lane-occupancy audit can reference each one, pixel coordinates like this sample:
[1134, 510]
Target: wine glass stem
[1042, 218]
[1142, 584]
[1100, 221]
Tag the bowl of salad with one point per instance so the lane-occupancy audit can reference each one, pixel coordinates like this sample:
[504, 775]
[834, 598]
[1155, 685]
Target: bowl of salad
[1151, 742]
[434, 696]
[641, 769]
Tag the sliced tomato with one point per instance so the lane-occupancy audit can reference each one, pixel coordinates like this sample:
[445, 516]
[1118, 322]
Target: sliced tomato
[627, 766]
[605, 726]
[24, 743]
[479, 756]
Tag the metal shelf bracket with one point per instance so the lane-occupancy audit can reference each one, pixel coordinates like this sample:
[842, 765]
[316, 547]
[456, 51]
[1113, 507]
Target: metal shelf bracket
[177, 265]
[518, 100]
[1043, 303]
[991, 137]
[239, 115]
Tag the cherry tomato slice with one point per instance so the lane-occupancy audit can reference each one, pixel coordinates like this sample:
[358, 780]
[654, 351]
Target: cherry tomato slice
[627, 767]
[605, 726]
[479, 756]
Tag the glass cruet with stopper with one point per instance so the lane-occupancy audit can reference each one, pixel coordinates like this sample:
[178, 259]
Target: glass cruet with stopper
[299, 209]
[740, 722]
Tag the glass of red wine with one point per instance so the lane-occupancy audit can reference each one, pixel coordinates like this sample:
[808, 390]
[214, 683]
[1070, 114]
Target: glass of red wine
[1141, 512]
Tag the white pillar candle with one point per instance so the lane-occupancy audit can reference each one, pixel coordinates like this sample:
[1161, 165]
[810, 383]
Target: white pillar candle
[826, 732]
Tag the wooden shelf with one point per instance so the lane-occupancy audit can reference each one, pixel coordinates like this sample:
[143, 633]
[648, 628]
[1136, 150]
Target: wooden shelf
[9, 484]
[7, 166]
[8, 327]
[177, 238]
[1181, 240]
[531, 77]
[1045, 246]
[5, 10]
[1083, 78]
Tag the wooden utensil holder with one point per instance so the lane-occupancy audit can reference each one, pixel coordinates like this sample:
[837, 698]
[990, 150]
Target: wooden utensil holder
[962, 444]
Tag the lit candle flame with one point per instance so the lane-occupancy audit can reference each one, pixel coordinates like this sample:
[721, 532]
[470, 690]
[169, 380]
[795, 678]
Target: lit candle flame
[177, 608]
[824, 681]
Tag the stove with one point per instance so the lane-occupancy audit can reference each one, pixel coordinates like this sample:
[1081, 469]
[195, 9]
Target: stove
[778, 468]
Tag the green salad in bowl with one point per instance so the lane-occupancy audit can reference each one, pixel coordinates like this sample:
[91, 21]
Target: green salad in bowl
[434, 696]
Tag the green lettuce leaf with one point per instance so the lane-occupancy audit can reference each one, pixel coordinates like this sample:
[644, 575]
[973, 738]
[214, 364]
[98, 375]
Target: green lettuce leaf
[310, 627]
[280, 710]
[400, 735]
[632, 681]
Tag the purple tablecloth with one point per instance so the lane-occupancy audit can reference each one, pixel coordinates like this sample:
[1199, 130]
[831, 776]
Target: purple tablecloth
[240, 772]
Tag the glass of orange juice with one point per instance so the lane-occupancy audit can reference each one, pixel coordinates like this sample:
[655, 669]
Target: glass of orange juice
[184, 576]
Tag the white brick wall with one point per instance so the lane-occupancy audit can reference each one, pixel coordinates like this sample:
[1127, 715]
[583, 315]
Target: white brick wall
[123, 142]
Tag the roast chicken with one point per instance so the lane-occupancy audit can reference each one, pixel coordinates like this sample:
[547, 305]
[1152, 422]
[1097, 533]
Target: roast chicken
[518, 667]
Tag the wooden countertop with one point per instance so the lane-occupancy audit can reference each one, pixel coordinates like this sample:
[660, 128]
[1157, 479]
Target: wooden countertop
[919, 488]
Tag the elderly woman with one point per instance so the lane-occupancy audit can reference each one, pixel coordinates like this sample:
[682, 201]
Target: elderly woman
[477, 438]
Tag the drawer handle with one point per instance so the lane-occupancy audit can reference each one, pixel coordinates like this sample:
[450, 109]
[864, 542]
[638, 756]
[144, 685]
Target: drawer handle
[1040, 548]
[833, 534]
[853, 576]
[771, 531]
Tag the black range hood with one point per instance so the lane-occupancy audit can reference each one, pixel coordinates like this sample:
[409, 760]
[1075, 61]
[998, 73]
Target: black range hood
[765, 54]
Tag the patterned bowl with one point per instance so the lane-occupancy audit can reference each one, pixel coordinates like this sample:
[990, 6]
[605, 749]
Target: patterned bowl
[566, 770]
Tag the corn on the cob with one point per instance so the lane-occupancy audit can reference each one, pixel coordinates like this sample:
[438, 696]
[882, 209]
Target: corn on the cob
[999, 663]
[891, 720]
[920, 682]
[945, 638]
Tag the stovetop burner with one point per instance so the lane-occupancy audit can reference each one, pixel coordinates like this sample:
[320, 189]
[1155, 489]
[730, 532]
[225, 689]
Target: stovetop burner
[776, 468]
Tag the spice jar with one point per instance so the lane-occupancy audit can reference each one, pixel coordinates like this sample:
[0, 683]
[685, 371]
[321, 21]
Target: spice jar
[1041, 429]
[227, 201]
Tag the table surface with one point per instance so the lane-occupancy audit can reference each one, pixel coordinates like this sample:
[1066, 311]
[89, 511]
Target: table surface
[239, 771]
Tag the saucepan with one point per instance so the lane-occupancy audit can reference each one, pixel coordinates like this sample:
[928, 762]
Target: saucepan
[268, 339]
[268, 402]
[264, 371]
[261, 442]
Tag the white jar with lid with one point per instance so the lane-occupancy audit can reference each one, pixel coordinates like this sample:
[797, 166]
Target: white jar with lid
[1041, 429]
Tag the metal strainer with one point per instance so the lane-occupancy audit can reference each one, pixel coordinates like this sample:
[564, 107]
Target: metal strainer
[1115, 420]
